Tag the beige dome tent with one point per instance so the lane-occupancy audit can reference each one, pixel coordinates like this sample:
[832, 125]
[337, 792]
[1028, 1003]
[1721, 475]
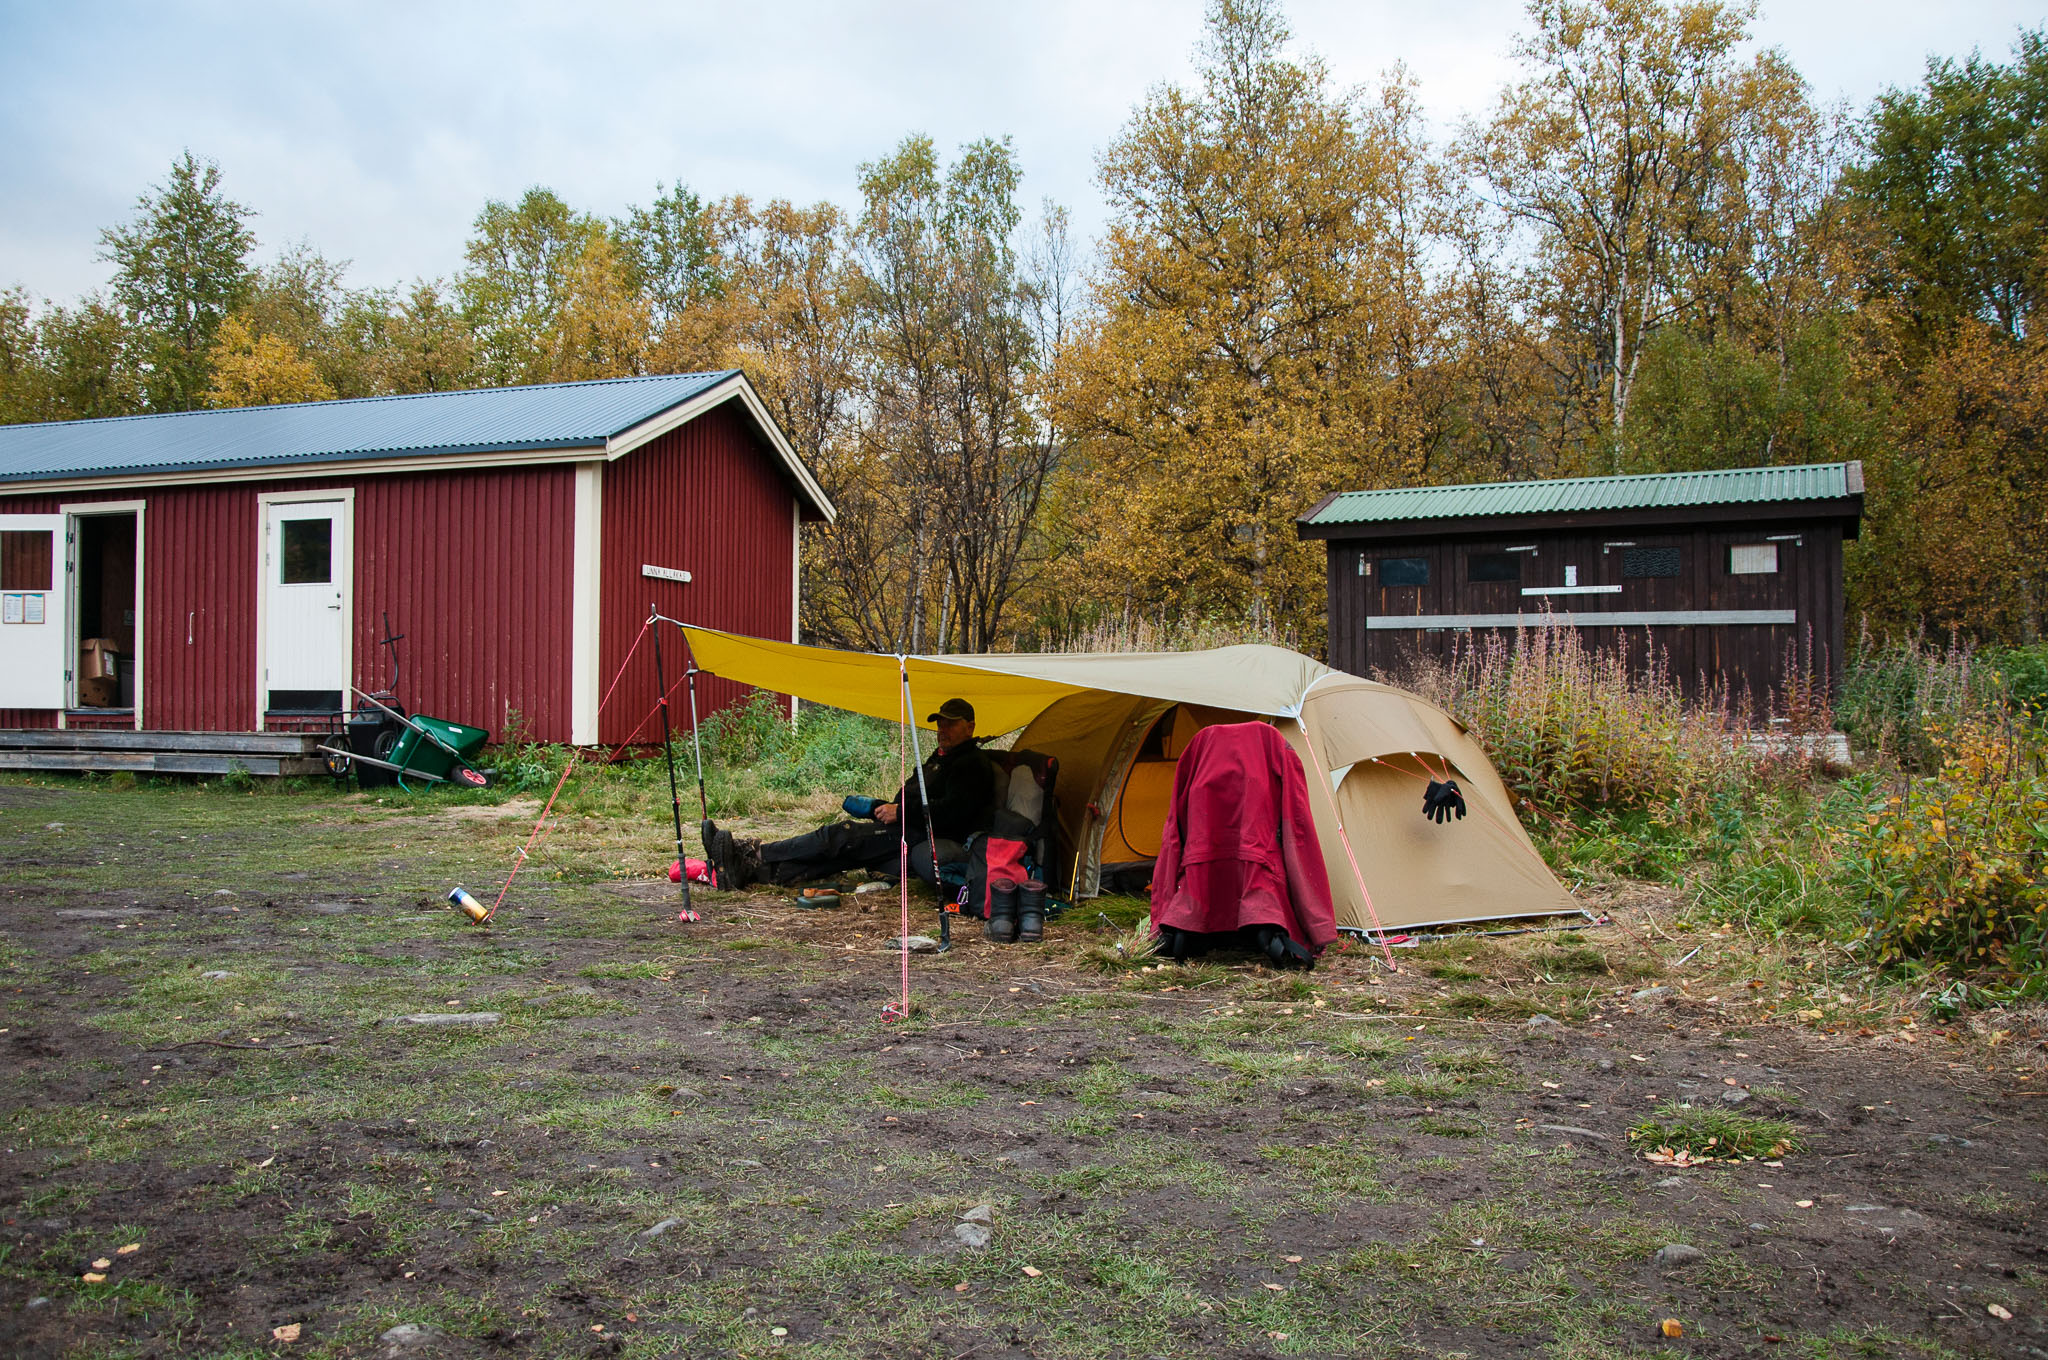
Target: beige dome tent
[1116, 722]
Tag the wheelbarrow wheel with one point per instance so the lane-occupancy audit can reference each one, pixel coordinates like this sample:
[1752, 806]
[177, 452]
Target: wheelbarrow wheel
[468, 778]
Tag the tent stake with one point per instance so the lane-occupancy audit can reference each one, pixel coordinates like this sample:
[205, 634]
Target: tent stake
[675, 797]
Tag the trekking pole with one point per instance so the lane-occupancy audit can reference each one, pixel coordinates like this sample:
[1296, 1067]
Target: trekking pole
[675, 797]
[696, 741]
[924, 797]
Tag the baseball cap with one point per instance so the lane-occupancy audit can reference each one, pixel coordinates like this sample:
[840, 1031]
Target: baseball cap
[952, 708]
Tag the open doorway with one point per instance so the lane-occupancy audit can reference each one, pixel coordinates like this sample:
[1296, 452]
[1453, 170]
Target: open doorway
[106, 604]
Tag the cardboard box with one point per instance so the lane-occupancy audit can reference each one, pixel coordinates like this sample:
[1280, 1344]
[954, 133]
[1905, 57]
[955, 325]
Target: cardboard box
[99, 692]
[98, 659]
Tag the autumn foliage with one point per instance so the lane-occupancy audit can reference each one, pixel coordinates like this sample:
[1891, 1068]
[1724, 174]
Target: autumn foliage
[1650, 249]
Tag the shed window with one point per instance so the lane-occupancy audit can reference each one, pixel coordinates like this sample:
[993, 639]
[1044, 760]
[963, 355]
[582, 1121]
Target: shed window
[1649, 563]
[308, 552]
[1493, 566]
[1404, 571]
[1752, 559]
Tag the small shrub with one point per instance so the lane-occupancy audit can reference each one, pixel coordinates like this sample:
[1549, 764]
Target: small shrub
[1952, 868]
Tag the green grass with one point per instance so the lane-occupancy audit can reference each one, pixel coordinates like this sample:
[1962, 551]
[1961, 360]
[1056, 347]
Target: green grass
[1716, 1133]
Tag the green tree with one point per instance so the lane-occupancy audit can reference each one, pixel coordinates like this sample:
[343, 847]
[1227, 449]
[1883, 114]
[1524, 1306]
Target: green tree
[522, 265]
[1955, 186]
[181, 266]
[666, 252]
[1952, 205]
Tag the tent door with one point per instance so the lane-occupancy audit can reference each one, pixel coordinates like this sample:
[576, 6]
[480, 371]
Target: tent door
[32, 623]
[305, 606]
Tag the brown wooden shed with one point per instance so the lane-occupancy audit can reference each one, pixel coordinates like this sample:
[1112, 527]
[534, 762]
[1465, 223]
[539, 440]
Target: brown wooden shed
[1725, 576]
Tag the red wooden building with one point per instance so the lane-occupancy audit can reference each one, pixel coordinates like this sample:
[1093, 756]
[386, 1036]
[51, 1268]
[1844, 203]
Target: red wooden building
[231, 571]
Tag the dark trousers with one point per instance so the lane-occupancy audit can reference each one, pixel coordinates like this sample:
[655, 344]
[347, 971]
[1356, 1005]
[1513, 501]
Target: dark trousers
[845, 845]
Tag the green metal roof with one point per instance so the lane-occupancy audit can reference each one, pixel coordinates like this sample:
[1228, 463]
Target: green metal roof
[1661, 490]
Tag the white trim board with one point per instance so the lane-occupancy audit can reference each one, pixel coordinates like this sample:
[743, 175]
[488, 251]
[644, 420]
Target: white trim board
[1615, 618]
[586, 630]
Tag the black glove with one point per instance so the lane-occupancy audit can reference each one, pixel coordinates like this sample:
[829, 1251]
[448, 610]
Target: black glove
[1441, 800]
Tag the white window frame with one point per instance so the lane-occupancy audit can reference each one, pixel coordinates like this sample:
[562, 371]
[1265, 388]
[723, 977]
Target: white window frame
[1759, 552]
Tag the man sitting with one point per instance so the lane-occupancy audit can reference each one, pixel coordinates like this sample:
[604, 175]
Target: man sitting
[960, 779]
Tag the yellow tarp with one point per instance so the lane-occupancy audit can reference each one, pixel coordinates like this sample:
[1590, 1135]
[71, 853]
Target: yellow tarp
[1376, 747]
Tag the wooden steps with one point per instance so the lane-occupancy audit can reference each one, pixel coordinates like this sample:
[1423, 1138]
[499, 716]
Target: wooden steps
[259, 753]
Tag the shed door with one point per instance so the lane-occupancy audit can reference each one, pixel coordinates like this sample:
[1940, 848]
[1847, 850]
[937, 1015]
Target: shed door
[32, 629]
[305, 606]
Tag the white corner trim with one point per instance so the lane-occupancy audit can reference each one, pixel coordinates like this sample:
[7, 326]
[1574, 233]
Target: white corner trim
[735, 386]
[586, 634]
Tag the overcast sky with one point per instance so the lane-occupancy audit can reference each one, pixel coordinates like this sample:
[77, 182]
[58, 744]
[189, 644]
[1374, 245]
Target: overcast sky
[376, 130]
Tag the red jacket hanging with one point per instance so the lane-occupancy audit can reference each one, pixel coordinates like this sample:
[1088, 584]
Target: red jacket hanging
[1239, 847]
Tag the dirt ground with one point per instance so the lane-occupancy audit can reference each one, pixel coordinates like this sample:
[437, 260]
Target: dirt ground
[221, 1138]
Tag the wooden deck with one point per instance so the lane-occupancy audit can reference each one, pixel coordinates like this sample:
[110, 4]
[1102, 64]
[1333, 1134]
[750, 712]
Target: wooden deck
[259, 753]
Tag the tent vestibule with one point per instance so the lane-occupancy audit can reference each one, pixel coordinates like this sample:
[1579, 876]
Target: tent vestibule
[1118, 722]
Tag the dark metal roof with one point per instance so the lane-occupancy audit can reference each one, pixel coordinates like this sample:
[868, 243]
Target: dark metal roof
[555, 416]
[1663, 490]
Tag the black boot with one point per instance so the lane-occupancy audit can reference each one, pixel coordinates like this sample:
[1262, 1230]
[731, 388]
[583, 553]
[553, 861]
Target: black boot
[1002, 913]
[734, 863]
[1030, 912]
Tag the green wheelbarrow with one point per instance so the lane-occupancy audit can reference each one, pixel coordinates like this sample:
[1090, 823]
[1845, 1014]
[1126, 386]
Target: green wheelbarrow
[431, 750]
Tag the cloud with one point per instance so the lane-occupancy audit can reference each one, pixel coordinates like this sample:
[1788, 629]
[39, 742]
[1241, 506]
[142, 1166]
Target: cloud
[376, 131]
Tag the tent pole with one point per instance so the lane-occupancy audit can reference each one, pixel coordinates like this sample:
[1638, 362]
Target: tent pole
[668, 750]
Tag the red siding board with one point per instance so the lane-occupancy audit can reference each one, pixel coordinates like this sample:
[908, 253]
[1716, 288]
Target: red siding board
[709, 499]
[475, 571]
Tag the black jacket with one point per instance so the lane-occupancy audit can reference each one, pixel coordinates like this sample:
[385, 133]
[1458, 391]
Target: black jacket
[962, 785]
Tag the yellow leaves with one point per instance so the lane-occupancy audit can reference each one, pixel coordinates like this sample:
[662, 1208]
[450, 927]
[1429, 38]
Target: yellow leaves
[260, 370]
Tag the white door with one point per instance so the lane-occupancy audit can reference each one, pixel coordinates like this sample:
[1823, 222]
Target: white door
[305, 605]
[32, 626]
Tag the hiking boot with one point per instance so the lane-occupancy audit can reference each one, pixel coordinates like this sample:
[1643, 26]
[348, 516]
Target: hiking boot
[734, 863]
[1282, 949]
[1031, 912]
[1002, 913]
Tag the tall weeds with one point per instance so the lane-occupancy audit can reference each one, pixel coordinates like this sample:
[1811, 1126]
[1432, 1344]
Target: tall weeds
[1574, 730]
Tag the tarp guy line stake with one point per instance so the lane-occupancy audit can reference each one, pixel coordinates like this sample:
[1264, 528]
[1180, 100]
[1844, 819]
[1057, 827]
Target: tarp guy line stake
[1308, 741]
[668, 751]
[533, 835]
